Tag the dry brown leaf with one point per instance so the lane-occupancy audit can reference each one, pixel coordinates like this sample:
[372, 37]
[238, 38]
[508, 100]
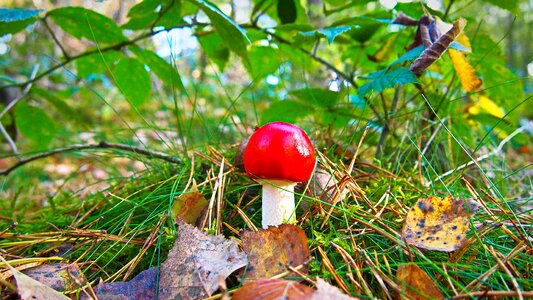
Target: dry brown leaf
[189, 207]
[273, 289]
[439, 224]
[403, 19]
[466, 73]
[435, 50]
[141, 287]
[61, 277]
[31, 289]
[196, 263]
[325, 291]
[417, 284]
[270, 250]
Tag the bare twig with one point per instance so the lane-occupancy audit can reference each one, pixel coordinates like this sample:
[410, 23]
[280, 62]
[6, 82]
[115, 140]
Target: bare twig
[101, 145]
[27, 87]
[479, 159]
[9, 139]
[56, 40]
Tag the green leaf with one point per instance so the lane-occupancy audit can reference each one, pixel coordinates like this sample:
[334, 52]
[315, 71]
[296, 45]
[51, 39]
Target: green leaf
[17, 14]
[264, 60]
[59, 103]
[145, 13]
[133, 81]
[410, 55]
[511, 5]
[35, 124]
[231, 33]
[85, 23]
[287, 12]
[285, 111]
[330, 33]
[15, 26]
[215, 48]
[317, 97]
[97, 63]
[161, 68]
[383, 80]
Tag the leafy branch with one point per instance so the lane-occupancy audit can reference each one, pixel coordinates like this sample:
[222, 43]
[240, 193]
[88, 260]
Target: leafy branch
[80, 147]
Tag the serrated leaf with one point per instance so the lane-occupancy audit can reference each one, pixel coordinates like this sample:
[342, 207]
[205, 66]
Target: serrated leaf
[329, 33]
[466, 73]
[317, 97]
[510, 5]
[17, 14]
[15, 26]
[264, 60]
[161, 68]
[231, 33]
[215, 48]
[287, 12]
[383, 80]
[85, 23]
[132, 80]
[285, 111]
[35, 124]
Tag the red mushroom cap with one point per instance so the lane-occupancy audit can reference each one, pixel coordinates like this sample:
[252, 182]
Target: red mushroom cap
[279, 151]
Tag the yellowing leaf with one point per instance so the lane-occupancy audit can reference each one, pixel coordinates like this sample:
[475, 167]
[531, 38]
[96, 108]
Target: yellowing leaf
[485, 105]
[270, 250]
[439, 224]
[416, 283]
[464, 41]
[467, 73]
[189, 207]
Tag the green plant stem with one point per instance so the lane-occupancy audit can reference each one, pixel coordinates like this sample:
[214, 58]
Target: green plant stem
[101, 145]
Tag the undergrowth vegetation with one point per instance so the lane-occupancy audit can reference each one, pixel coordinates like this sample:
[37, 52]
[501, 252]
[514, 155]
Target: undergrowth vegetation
[113, 125]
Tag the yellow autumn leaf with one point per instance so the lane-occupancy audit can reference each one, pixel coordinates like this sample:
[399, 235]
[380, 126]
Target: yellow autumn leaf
[439, 224]
[465, 72]
[416, 284]
[464, 41]
[485, 105]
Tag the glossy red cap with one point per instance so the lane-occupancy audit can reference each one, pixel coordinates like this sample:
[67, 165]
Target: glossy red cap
[279, 151]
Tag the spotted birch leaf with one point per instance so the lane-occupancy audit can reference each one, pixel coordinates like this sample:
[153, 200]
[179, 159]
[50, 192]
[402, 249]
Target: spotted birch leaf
[439, 224]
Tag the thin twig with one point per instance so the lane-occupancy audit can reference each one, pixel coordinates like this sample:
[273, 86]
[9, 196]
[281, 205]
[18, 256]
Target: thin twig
[27, 87]
[9, 140]
[101, 145]
[56, 40]
[479, 159]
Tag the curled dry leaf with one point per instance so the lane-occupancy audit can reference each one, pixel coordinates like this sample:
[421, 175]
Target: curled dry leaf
[403, 19]
[196, 263]
[270, 250]
[435, 50]
[273, 289]
[416, 284]
[325, 291]
[439, 224]
[141, 287]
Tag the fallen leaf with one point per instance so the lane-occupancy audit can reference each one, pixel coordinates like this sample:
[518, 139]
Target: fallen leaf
[325, 291]
[439, 224]
[466, 73]
[61, 277]
[273, 289]
[270, 250]
[433, 51]
[416, 283]
[196, 263]
[141, 287]
[29, 288]
[189, 207]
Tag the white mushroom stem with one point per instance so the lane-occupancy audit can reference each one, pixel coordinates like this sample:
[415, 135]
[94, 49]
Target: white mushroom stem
[278, 203]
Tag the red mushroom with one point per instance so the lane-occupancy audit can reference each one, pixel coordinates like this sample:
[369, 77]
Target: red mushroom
[278, 156]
